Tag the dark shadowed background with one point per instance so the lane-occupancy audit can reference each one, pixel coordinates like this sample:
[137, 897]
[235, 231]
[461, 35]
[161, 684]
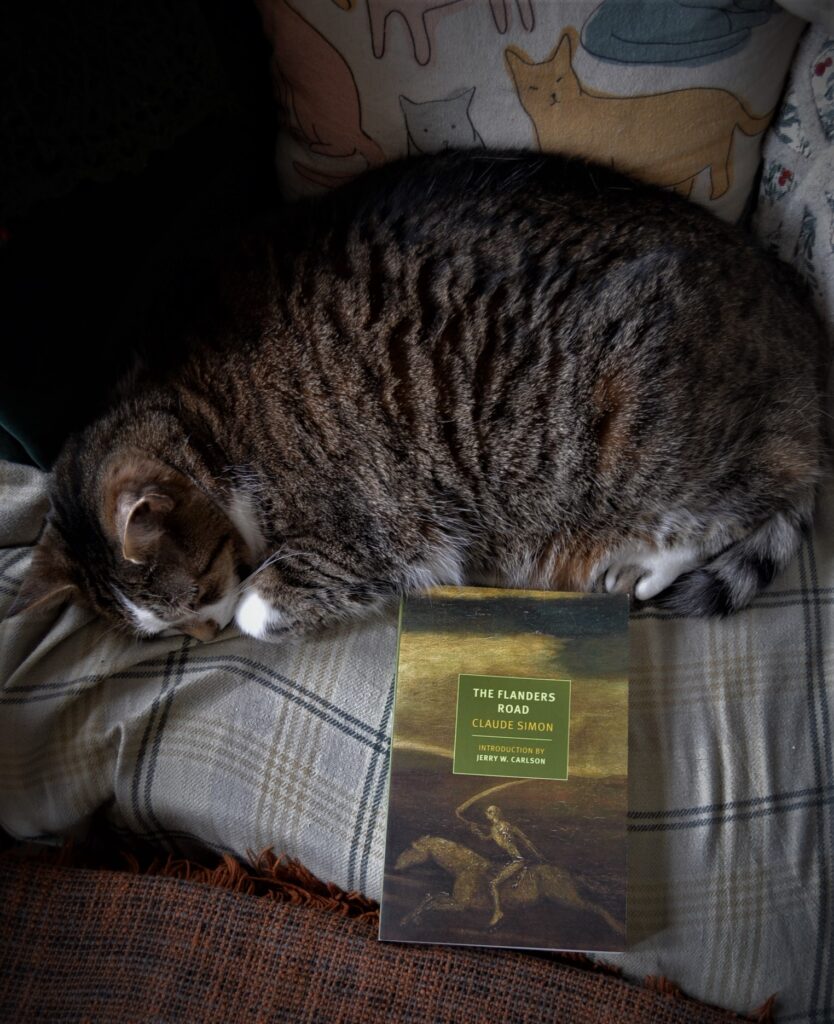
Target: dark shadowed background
[135, 139]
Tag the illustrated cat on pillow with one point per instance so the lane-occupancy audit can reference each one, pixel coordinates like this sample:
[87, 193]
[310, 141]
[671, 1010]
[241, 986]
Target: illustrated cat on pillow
[436, 125]
[319, 97]
[418, 17]
[639, 135]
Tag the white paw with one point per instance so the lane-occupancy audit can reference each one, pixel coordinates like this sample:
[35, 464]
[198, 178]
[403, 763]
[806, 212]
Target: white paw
[621, 577]
[256, 617]
[645, 571]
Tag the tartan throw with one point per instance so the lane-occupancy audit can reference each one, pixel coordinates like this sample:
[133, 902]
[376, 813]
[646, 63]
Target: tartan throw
[240, 746]
[181, 951]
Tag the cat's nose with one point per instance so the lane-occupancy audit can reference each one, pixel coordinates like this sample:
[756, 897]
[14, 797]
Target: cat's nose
[200, 629]
[553, 98]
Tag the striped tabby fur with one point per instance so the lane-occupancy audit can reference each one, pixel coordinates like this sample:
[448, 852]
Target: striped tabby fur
[501, 367]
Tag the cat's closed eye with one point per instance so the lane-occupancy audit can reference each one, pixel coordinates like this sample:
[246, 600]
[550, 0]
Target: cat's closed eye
[201, 594]
[208, 596]
[532, 88]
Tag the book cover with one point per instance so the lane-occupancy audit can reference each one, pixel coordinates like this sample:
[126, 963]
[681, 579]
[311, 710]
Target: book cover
[509, 771]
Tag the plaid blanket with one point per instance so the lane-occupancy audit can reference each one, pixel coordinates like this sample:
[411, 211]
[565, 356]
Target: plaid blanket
[239, 746]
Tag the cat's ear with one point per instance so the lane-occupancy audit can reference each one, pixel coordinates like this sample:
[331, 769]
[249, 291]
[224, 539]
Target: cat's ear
[563, 54]
[49, 582]
[406, 104]
[516, 60]
[139, 495]
[140, 524]
[467, 96]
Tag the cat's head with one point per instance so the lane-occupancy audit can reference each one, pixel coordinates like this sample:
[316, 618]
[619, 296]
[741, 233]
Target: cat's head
[544, 86]
[138, 542]
[437, 125]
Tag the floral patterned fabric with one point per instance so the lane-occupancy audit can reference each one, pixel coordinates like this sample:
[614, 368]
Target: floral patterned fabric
[795, 213]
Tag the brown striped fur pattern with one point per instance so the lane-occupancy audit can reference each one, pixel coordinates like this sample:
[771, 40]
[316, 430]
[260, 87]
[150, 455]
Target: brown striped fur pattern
[502, 367]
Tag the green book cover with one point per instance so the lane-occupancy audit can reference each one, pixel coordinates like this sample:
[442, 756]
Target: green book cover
[509, 771]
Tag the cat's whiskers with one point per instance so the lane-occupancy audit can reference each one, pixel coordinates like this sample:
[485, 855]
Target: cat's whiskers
[276, 556]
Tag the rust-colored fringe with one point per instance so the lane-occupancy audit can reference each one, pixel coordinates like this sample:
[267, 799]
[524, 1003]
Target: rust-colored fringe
[766, 1013]
[282, 879]
[286, 880]
[279, 878]
[657, 983]
[762, 1015]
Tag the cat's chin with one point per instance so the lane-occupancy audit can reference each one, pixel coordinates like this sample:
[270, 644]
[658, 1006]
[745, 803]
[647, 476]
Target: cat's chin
[256, 617]
[222, 612]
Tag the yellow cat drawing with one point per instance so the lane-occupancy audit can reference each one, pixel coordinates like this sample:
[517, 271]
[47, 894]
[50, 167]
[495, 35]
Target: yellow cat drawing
[665, 138]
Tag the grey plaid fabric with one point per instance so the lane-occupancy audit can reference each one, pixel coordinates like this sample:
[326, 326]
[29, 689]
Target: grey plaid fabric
[239, 745]
[234, 745]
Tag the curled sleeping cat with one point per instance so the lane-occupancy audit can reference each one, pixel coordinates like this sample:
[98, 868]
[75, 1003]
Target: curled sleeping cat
[485, 368]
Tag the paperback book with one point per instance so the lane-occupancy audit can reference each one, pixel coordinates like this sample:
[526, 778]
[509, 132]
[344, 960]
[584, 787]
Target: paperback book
[509, 771]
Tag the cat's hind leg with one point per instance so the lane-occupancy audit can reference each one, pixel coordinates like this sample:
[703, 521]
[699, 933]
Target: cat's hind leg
[525, 11]
[731, 579]
[705, 578]
[645, 571]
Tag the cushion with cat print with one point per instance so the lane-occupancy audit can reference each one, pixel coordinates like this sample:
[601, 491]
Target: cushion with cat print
[676, 92]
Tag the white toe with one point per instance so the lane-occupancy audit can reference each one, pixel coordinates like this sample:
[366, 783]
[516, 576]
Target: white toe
[255, 616]
[648, 586]
[664, 568]
[647, 571]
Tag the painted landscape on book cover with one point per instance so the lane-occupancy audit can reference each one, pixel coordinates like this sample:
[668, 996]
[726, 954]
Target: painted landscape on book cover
[508, 786]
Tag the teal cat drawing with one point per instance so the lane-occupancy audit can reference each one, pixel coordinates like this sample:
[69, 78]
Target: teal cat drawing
[436, 125]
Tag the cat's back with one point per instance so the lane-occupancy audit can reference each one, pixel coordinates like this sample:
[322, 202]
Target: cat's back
[533, 236]
[506, 210]
[467, 289]
[424, 198]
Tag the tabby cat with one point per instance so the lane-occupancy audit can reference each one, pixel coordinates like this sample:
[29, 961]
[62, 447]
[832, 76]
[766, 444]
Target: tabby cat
[489, 368]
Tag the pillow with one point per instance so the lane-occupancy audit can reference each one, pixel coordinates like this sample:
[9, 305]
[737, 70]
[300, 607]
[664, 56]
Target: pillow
[795, 212]
[677, 92]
